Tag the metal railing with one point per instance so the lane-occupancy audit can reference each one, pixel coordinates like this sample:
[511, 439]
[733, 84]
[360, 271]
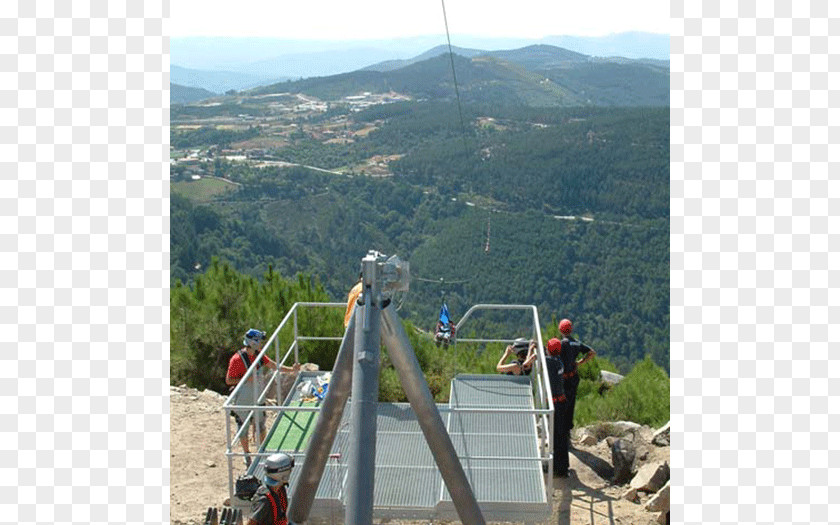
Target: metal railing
[257, 410]
[541, 386]
[543, 411]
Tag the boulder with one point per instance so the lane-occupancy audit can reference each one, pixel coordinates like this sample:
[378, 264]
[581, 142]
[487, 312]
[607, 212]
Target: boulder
[614, 429]
[588, 440]
[631, 495]
[644, 434]
[211, 396]
[662, 437]
[585, 436]
[661, 502]
[623, 456]
[651, 477]
[626, 426]
[610, 377]
[664, 518]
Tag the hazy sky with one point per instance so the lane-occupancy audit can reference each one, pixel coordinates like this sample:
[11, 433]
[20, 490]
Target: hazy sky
[378, 19]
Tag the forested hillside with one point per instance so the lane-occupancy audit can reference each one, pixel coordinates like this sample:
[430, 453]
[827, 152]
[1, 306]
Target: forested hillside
[575, 200]
[535, 76]
[183, 95]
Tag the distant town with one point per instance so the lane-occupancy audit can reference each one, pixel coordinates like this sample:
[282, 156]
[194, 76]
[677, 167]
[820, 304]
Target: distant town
[277, 119]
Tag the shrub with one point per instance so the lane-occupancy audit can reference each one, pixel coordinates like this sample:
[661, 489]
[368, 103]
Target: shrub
[643, 396]
[208, 319]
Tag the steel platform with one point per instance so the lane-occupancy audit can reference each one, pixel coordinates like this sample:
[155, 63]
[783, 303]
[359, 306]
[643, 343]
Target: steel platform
[499, 451]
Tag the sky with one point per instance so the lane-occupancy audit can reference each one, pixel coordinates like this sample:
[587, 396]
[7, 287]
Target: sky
[387, 19]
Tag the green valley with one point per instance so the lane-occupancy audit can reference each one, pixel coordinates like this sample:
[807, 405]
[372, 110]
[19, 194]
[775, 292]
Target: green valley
[544, 185]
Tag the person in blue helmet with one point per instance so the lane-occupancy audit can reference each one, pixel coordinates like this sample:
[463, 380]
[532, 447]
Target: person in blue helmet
[237, 366]
[270, 504]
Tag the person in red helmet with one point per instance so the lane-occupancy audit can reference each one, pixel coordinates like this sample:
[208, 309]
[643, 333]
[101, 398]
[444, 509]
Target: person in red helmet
[570, 349]
[554, 367]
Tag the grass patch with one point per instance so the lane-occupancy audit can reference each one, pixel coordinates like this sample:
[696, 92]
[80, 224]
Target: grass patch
[202, 190]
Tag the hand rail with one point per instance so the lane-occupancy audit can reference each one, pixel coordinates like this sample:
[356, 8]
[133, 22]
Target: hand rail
[542, 385]
[256, 408]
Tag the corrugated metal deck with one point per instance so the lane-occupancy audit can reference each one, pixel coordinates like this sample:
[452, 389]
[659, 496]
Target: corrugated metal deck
[407, 482]
[506, 489]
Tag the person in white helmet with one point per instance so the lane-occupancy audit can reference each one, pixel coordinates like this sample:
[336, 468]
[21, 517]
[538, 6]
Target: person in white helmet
[271, 502]
[525, 353]
[237, 366]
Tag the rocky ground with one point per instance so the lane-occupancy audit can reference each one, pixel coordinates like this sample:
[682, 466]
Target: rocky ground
[199, 474]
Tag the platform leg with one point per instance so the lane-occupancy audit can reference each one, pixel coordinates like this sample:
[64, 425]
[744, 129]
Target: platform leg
[417, 390]
[326, 428]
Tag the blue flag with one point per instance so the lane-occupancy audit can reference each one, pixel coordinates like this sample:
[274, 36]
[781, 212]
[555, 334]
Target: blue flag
[444, 314]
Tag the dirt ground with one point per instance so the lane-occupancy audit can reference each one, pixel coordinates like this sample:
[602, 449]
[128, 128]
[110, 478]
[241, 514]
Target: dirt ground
[199, 474]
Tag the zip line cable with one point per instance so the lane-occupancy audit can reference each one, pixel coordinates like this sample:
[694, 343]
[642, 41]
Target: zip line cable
[455, 79]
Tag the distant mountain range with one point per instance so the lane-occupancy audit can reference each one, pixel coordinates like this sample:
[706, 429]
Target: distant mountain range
[532, 57]
[184, 95]
[258, 59]
[537, 75]
[218, 82]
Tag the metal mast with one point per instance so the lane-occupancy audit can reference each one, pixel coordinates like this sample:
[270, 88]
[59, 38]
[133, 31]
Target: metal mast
[375, 319]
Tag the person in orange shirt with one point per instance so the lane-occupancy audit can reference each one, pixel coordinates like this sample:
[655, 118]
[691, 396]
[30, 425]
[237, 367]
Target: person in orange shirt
[352, 297]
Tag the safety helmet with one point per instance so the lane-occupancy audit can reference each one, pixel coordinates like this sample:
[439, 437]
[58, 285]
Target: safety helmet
[253, 337]
[520, 342]
[565, 327]
[520, 346]
[278, 469]
[553, 346]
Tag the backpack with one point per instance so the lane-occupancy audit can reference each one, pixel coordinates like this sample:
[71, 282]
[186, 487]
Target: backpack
[246, 360]
[246, 486]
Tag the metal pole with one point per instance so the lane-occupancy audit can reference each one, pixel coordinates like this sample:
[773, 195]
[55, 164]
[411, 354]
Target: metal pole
[277, 376]
[257, 389]
[365, 395]
[417, 391]
[297, 360]
[228, 452]
[326, 428]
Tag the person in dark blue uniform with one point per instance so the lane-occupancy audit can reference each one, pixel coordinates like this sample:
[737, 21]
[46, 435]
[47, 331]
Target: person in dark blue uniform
[570, 349]
[554, 367]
